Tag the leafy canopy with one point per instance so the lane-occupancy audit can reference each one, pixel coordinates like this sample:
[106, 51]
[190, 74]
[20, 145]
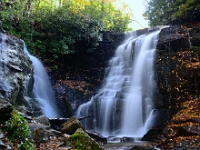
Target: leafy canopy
[161, 12]
[56, 28]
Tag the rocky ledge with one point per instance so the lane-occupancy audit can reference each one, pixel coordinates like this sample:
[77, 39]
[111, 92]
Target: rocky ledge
[178, 90]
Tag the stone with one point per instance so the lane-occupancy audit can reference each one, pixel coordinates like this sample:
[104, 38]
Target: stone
[71, 125]
[151, 135]
[96, 136]
[43, 120]
[37, 132]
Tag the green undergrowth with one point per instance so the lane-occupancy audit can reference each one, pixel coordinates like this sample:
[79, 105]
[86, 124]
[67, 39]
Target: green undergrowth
[17, 131]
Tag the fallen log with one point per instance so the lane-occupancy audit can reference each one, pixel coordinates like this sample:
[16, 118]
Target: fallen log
[56, 123]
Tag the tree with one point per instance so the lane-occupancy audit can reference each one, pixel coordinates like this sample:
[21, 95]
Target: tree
[161, 12]
[55, 29]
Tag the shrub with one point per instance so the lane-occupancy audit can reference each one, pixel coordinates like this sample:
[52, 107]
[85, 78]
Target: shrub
[17, 131]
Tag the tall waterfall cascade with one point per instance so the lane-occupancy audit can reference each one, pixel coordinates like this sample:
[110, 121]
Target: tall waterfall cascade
[123, 105]
[42, 89]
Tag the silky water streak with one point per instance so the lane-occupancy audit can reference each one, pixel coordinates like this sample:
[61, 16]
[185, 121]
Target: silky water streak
[42, 89]
[123, 104]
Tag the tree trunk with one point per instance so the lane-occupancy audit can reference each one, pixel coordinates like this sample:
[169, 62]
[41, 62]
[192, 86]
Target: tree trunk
[27, 7]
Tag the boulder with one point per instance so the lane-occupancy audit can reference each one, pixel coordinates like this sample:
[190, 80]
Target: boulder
[5, 110]
[71, 125]
[81, 140]
[96, 136]
[151, 135]
[42, 133]
[43, 120]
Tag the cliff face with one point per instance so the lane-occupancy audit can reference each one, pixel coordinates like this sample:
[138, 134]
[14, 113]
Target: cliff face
[178, 84]
[16, 72]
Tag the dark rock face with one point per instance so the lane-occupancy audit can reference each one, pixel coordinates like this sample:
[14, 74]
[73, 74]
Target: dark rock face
[79, 77]
[178, 84]
[177, 67]
[5, 110]
[16, 72]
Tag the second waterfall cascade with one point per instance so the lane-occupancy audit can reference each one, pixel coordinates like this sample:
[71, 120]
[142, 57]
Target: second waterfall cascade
[42, 89]
[123, 105]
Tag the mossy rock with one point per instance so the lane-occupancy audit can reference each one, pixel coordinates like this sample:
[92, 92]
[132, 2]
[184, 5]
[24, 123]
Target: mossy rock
[82, 141]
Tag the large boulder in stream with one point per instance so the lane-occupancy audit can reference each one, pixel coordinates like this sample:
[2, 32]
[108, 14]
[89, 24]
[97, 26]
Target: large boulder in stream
[71, 125]
[16, 71]
[82, 140]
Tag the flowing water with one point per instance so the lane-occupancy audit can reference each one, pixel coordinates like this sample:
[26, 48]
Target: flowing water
[123, 105]
[42, 88]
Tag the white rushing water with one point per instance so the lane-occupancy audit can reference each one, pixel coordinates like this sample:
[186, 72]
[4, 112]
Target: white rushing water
[123, 105]
[42, 88]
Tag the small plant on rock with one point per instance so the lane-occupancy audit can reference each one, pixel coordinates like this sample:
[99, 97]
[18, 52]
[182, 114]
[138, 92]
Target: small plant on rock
[17, 131]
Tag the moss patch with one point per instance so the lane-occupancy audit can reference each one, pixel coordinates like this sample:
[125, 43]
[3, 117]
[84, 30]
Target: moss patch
[82, 141]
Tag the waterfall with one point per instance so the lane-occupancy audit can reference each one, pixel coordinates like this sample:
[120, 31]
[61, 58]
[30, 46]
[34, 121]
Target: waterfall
[42, 89]
[123, 105]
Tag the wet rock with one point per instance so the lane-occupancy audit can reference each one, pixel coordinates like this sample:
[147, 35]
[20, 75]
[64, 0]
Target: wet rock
[152, 134]
[96, 136]
[71, 125]
[127, 139]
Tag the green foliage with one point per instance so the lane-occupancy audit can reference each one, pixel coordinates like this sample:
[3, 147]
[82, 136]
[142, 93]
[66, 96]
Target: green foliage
[75, 139]
[55, 29]
[160, 12]
[17, 131]
[197, 48]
